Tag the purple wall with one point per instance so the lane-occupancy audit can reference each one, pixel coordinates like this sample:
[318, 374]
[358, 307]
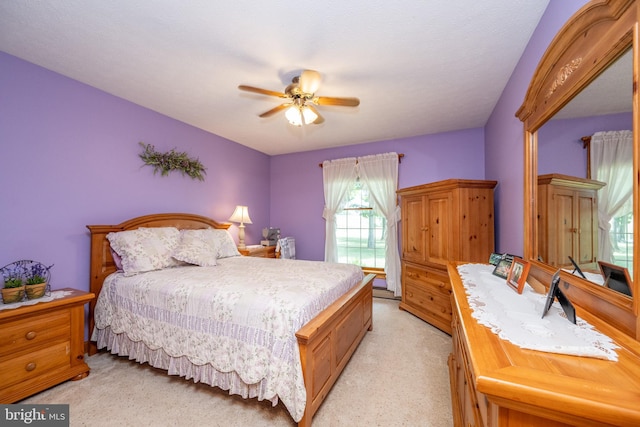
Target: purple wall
[297, 196]
[560, 149]
[504, 136]
[70, 158]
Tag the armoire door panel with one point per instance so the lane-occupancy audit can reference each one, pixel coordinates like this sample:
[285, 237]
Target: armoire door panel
[566, 228]
[587, 228]
[439, 228]
[413, 234]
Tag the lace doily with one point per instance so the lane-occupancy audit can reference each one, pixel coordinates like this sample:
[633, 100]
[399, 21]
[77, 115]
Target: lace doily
[517, 318]
[46, 298]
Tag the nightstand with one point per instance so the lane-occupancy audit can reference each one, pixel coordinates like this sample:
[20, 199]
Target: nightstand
[259, 251]
[42, 345]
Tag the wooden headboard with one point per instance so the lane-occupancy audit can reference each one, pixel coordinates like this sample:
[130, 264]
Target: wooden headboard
[102, 262]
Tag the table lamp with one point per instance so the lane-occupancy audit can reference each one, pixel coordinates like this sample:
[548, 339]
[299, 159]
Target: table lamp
[241, 215]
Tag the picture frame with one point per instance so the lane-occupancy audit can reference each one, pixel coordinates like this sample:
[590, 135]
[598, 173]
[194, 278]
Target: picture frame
[518, 272]
[556, 293]
[495, 258]
[503, 267]
[553, 291]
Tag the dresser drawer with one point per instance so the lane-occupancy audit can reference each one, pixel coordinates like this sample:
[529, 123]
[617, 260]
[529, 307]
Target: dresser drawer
[30, 365]
[29, 333]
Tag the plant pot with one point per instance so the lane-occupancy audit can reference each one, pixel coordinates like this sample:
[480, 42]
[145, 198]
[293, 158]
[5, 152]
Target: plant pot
[36, 291]
[11, 295]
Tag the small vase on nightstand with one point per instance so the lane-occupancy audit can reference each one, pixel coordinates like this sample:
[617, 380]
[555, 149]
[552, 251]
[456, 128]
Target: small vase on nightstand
[11, 295]
[36, 290]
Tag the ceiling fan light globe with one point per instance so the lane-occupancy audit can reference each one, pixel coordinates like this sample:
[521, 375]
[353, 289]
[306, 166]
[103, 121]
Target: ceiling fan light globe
[308, 115]
[294, 116]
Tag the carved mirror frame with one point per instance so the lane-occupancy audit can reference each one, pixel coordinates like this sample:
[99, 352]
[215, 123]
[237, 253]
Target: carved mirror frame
[595, 37]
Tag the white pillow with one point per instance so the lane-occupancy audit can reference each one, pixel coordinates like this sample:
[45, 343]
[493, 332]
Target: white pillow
[145, 249]
[197, 247]
[225, 244]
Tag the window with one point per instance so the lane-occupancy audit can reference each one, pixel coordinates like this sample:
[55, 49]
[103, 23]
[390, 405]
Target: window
[361, 230]
[361, 234]
[622, 240]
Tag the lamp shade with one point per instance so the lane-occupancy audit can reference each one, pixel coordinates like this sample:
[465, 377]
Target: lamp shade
[241, 215]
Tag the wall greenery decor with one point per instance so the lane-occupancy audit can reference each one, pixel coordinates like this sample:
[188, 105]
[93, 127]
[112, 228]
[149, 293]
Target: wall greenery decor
[170, 161]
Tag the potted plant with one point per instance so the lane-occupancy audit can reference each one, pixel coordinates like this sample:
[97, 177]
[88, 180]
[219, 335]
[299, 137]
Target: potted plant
[36, 283]
[13, 290]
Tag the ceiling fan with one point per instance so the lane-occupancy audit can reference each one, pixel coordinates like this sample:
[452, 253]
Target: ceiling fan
[301, 100]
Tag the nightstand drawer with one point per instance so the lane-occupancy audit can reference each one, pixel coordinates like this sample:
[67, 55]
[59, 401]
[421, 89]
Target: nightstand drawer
[29, 333]
[35, 363]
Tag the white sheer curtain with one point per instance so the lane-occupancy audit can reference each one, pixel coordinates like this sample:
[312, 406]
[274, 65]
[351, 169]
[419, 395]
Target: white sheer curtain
[380, 174]
[338, 177]
[612, 162]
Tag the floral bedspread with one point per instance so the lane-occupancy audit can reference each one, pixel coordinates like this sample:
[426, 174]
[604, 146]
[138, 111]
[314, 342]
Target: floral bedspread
[240, 316]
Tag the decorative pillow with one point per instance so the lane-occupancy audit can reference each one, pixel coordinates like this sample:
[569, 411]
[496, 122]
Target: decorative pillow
[117, 260]
[197, 247]
[225, 244]
[145, 249]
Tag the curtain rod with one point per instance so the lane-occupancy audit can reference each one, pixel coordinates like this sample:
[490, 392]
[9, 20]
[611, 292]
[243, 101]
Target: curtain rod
[400, 156]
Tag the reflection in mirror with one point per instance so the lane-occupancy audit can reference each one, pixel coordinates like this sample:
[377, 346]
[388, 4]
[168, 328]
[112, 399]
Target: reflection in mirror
[585, 190]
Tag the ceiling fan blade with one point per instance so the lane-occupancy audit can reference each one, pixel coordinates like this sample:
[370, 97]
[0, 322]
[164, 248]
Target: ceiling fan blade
[343, 102]
[275, 110]
[309, 81]
[319, 119]
[262, 91]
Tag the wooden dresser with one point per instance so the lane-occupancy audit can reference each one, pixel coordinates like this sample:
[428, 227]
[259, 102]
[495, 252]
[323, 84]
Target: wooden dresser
[568, 220]
[42, 345]
[495, 383]
[441, 222]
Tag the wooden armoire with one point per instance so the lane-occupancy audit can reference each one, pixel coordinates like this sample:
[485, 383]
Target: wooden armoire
[568, 220]
[450, 220]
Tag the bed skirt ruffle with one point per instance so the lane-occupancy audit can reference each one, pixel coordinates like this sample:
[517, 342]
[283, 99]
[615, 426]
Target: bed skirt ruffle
[121, 345]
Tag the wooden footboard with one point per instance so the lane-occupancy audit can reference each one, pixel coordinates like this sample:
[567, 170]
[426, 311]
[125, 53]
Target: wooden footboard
[328, 341]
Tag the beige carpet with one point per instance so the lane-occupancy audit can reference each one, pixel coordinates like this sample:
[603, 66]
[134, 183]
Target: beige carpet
[397, 377]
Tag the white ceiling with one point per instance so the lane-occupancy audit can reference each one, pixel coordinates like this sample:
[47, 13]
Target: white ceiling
[418, 66]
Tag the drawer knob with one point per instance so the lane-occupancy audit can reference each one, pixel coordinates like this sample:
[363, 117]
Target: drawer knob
[30, 335]
[30, 366]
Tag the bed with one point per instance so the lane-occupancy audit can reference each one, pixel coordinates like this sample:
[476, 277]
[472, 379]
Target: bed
[328, 324]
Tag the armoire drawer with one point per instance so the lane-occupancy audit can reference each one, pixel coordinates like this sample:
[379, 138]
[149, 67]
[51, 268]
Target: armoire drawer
[431, 300]
[434, 278]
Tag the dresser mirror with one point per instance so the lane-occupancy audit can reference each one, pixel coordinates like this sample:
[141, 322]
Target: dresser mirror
[593, 49]
[564, 144]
